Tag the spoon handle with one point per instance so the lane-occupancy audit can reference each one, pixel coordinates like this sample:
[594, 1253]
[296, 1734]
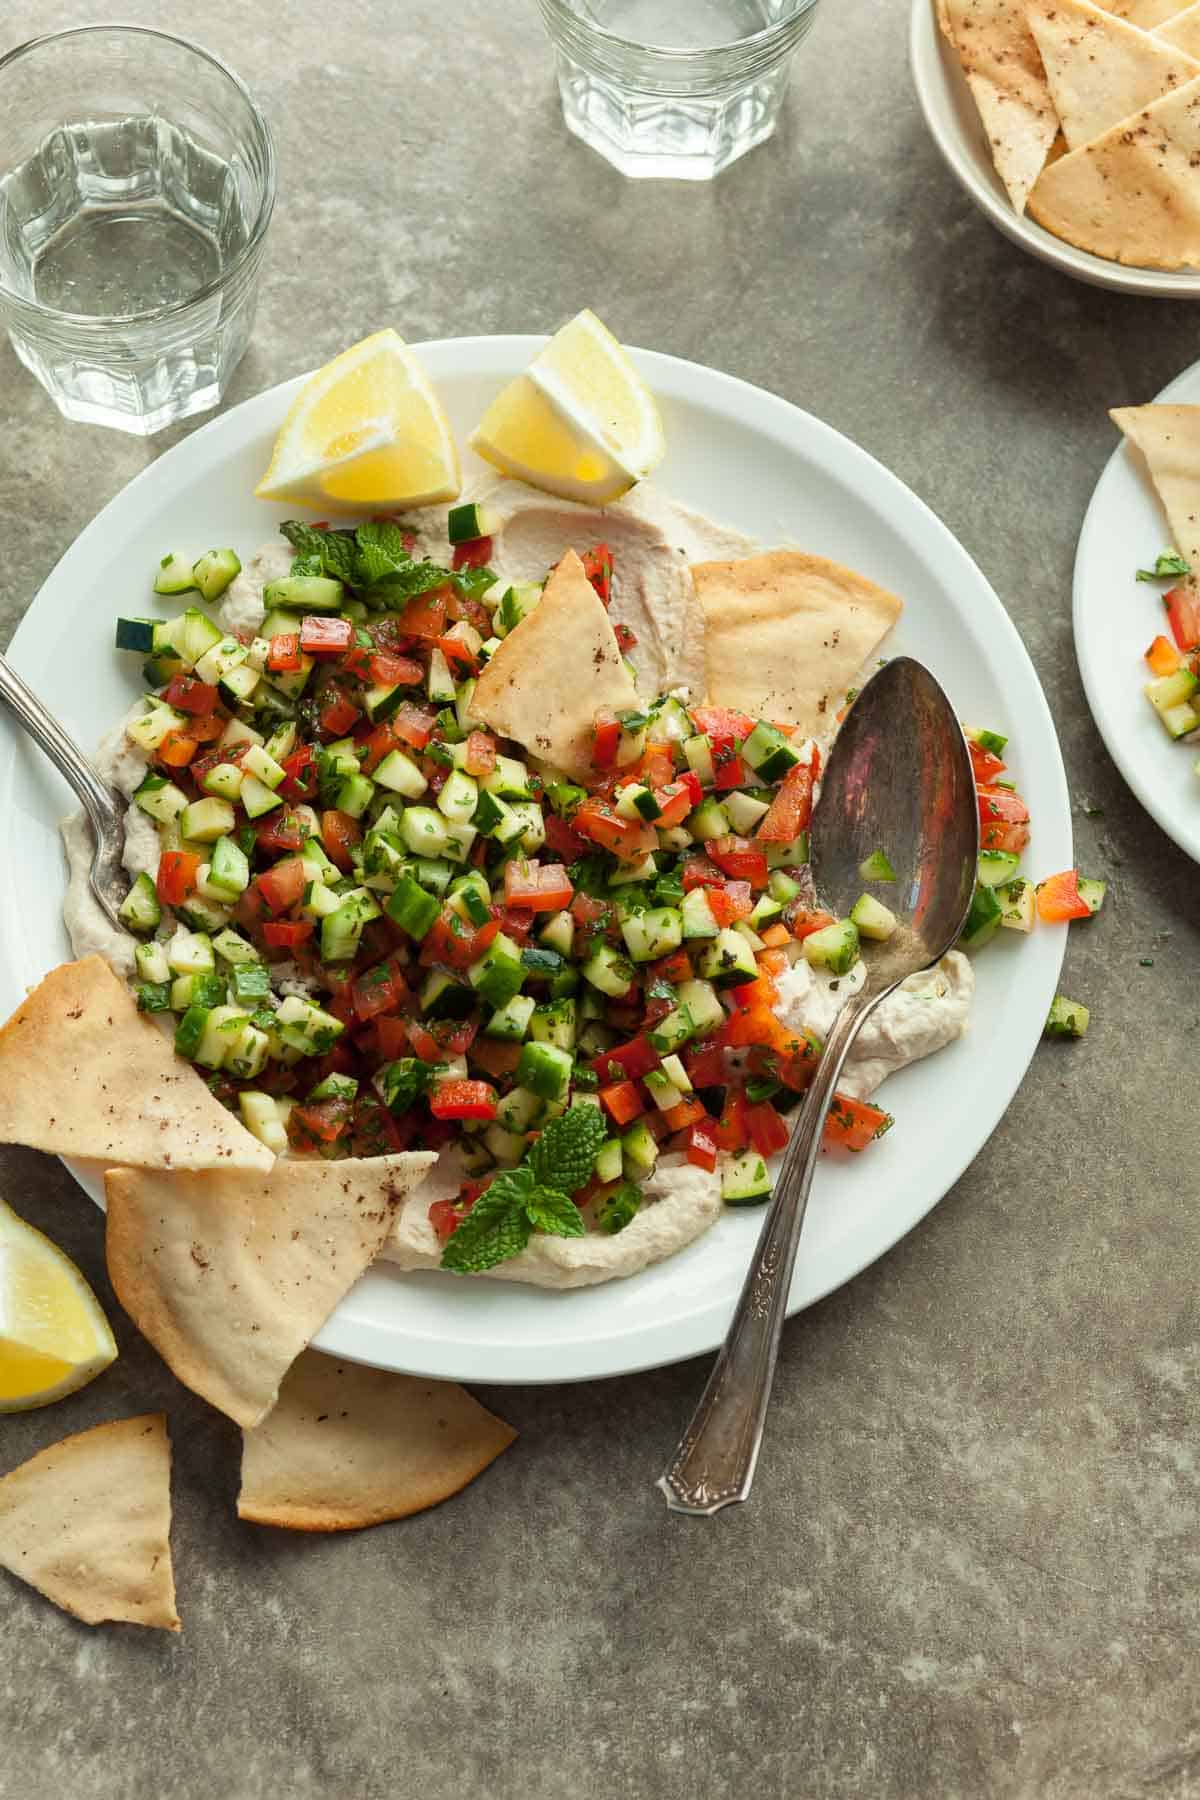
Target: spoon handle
[714, 1464]
[63, 752]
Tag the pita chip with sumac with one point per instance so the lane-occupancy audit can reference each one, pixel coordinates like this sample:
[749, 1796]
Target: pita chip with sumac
[1008, 84]
[1146, 14]
[1132, 195]
[1182, 30]
[230, 1274]
[83, 1073]
[553, 671]
[1168, 438]
[1101, 69]
[347, 1446]
[87, 1522]
[785, 634]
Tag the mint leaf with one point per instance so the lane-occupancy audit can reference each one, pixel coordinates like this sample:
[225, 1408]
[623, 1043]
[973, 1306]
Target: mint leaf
[497, 1226]
[335, 550]
[565, 1153]
[307, 565]
[402, 1083]
[394, 586]
[473, 584]
[548, 1210]
[1169, 563]
[385, 536]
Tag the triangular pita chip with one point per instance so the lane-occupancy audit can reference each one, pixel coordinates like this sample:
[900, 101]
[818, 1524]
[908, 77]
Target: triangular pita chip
[1169, 440]
[1182, 30]
[88, 1523]
[1099, 68]
[1004, 73]
[553, 671]
[1132, 195]
[786, 633]
[1146, 14]
[83, 1073]
[347, 1446]
[230, 1274]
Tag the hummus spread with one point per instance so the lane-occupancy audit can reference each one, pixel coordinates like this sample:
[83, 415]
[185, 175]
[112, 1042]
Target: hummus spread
[242, 608]
[119, 762]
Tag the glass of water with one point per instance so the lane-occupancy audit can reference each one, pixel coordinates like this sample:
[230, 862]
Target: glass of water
[137, 179]
[674, 87]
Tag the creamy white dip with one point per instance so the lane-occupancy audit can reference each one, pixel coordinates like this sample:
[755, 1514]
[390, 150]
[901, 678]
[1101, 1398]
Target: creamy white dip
[242, 608]
[122, 764]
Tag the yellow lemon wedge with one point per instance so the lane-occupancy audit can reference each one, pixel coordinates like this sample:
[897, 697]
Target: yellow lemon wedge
[365, 433]
[53, 1336]
[580, 422]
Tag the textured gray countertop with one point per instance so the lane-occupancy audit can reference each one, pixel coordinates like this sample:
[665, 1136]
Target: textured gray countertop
[970, 1564]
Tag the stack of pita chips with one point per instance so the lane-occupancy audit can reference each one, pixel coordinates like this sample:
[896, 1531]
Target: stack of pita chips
[1092, 112]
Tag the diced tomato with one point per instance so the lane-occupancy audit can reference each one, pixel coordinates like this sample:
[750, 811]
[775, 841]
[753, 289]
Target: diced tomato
[475, 554]
[622, 1102]
[658, 1005]
[374, 1131]
[627, 1062]
[853, 1124]
[461, 658]
[722, 721]
[676, 803]
[986, 764]
[176, 750]
[607, 738]
[790, 812]
[542, 887]
[283, 658]
[676, 967]
[423, 1042]
[322, 634]
[598, 567]
[598, 820]
[286, 934]
[1003, 819]
[729, 771]
[424, 617]
[688, 1112]
[760, 992]
[465, 610]
[774, 938]
[590, 913]
[392, 1037]
[729, 1132]
[414, 724]
[447, 1215]
[463, 1100]
[283, 885]
[699, 872]
[299, 774]
[1058, 898]
[563, 839]
[388, 670]
[188, 695]
[1183, 615]
[767, 1132]
[1163, 657]
[705, 1065]
[479, 758]
[802, 921]
[357, 662]
[338, 713]
[379, 989]
[702, 1146]
[450, 940]
[516, 922]
[455, 1035]
[496, 1056]
[739, 859]
[318, 1122]
[376, 745]
[730, 902]
[339, 833]
[626, 639]
[279, 832]
[177, 871]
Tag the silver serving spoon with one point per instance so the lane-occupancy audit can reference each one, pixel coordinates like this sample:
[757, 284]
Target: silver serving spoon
[899, 779]
[105, 810]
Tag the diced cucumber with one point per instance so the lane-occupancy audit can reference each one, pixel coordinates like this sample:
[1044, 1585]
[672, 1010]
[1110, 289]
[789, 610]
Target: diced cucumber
[631, 744]
[354, 794]
[1018, 904]
[458, 797]
[697, 753]
[260, 1116]
[558, 933]
[433, 874]
[237, 685]
[877, 867]
[520, 1109]
[258, 762]
[654, 933]
[225, 781]
[511, 1021]
[238, 732]
[229, 871]
[471, 897]
[699, 1000]
[151, 960]
[304, 1026]
[150, 728]
[987, 740]
[1092, 893]
[469, 521]
[140, 910]
[160, 799]
[697, 915]
[788, 856]
[744, 1180]
[462, 706]
[997, 867]
[528, 815]
[384, 699]
[204, 821]
[439, 682]
[546, 1069]
[256, 797]
[499, 973]
[639, 1150]
[190, 1031]
[637, 802]
[1066, 1018]
[1171, 698]
[768, 752]
[662, 1090]
[748, 934]
[674, 1070]
[835, 947]
[983, 918]
[136, 634]
[411, 907]
[400, 775]
[175, 574]
[304, 594]
[509, 780]
[709, 820]
[205, 915]
[213, 572]
[507, 1147]
[609, 971]
[198, 990]
[744, 811]
[444, 998]
[609, 1165]
[874, 920]
[424, 831]
[226, 654]
[766, 912]
[781, 887]
[554, 1023]
[631, 872]
[341, 931]
[251, 983]
[246, 1053]
[669, 722]
[515, 603]
[729, 961]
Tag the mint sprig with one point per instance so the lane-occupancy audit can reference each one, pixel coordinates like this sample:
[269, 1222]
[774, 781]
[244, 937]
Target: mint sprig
[1168, 564]
[535, 1196]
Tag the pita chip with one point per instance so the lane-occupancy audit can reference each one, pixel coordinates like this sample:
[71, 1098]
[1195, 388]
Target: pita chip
[786, 633]
[1182, 30]
[83, 1073]
[1132, 195]
[554, 670]
[1100, 69]
[1168, 438]
[347, 1446]
[1145, 14]
[229, 1274]
[1008, 84]
[88, 1523]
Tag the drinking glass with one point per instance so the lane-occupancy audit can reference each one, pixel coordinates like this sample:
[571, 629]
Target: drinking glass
[674, 87]
[137, 179]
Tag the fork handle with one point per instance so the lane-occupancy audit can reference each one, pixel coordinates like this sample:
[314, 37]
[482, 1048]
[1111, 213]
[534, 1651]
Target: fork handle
[715, 1461]
[64, 753]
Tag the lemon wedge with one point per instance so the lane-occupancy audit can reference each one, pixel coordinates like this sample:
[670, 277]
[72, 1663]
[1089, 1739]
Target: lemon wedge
[580, 422]
[53, 1336]
[366, 432]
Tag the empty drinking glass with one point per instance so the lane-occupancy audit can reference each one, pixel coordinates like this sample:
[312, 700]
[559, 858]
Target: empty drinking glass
[674, 87]
[137, 179]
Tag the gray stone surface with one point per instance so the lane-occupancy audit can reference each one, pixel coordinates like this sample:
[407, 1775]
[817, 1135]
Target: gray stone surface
[970, 1565]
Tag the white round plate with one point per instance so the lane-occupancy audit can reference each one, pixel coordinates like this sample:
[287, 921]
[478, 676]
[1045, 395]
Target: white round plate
[750, 460]
[1115, 616]
[955, 127]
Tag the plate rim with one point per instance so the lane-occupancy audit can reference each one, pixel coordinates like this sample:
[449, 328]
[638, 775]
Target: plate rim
[932, 74]
[636, 1348]
[1113, 736]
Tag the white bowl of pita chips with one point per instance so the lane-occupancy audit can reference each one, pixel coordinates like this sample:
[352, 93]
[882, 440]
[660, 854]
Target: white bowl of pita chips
[1086, 158]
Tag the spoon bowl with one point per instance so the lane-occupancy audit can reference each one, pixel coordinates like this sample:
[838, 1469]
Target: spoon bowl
[899, 780]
